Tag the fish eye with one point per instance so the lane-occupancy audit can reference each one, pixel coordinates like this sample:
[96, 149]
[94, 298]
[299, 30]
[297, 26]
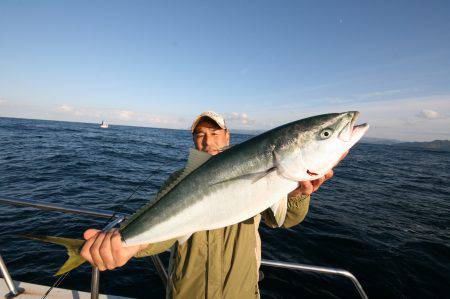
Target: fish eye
[326, 133]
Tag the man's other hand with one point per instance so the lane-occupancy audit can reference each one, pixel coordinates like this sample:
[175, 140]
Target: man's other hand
[105, 251]
[308, 187]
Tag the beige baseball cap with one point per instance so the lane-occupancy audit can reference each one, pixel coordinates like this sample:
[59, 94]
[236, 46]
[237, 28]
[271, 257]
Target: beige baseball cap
[217, 118]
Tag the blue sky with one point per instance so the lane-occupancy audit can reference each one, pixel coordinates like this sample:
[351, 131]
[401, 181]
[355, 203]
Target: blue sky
[260, 63]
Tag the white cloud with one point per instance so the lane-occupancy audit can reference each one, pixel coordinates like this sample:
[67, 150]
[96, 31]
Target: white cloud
[429, 114]
[65, 108]
[389, 118]
[237, 119]
[399, 118]
[117, 116]
[381, 94]
[125, 114]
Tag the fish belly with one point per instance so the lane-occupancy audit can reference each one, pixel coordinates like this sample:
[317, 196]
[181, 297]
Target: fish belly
[229, 203]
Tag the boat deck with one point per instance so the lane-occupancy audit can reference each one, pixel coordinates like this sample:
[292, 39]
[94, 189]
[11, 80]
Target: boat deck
[35, 291]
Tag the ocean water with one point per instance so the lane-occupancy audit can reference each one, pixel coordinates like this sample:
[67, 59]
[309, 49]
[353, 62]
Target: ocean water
[385, 216]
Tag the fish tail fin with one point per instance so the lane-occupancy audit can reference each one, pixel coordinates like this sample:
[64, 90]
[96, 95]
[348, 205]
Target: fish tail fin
[73, 247]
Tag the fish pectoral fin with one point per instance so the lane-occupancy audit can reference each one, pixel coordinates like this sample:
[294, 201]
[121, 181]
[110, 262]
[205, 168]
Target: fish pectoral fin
[279, 210]
[257, 176]
[254, 177]
[183, 239]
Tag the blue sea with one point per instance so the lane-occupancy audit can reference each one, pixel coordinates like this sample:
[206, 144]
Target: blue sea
[385, 215]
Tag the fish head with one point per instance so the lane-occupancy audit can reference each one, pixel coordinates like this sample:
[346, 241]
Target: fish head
[309, 148]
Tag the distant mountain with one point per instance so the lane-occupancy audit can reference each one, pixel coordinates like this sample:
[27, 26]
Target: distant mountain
[438, 145]
[375, 140]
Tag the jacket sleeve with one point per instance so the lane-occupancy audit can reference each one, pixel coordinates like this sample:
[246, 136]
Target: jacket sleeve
[155, 248]
[297, 208]
[159, 247]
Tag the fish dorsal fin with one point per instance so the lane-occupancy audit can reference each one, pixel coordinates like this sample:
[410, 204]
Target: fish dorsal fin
[195, 160]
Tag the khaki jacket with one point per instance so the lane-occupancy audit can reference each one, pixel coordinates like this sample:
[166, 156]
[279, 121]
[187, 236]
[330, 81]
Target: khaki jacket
[222, 263]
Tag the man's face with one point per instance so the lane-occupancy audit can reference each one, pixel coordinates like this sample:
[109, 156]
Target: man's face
[209, 137]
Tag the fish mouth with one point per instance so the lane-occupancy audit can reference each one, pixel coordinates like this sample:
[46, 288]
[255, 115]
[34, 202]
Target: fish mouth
[352, 132]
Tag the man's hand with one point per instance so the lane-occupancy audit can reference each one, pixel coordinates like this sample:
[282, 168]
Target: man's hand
[104, 249]
[308, 187]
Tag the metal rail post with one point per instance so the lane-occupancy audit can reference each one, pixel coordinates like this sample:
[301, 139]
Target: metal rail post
[95, 280]
[13, 291]
[95, 283]
[160, 269]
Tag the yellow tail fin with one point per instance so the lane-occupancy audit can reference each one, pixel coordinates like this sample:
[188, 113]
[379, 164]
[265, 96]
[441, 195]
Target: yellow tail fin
[73, 250]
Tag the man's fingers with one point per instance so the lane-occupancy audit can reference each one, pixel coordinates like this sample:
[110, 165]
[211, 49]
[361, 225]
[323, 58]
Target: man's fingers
[307, 187]
[85, 251]
[316, 183]
[329, 174]
[90, 233]
[105, 252]
[123, 254]
[344, 154]
[117, 250]
[95, 252]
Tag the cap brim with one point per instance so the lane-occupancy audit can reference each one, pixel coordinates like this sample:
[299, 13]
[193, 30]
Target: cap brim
[200, 117]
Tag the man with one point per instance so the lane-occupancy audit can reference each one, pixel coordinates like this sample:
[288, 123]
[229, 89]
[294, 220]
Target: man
[220, 263]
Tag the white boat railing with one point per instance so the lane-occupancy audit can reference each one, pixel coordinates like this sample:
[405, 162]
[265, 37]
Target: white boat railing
[117, 218]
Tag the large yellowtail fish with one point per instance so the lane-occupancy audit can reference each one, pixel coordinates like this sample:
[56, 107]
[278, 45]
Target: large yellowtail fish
[239, 183]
